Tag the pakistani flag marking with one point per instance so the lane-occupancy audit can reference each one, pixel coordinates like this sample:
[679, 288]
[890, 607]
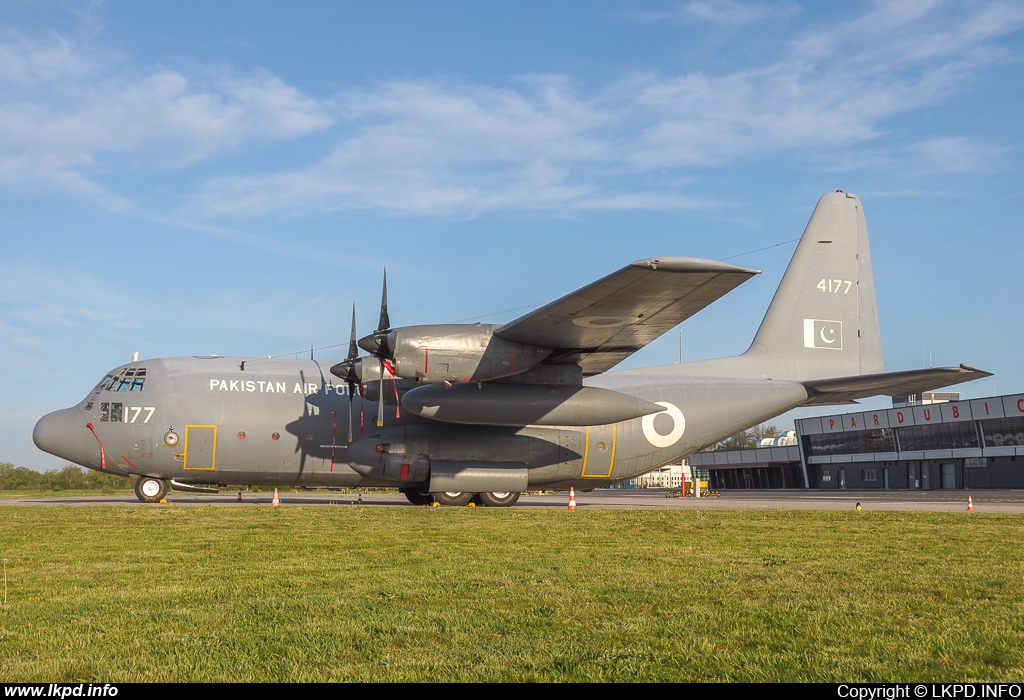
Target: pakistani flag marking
[826, 335]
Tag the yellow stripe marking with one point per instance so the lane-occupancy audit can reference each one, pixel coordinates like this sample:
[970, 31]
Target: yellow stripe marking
[586, 451]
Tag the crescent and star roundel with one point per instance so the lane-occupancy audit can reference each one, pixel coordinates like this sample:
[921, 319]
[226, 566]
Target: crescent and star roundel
[822, 334]
[678, 426]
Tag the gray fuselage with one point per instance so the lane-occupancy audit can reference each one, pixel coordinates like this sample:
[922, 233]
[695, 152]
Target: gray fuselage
[205, 420]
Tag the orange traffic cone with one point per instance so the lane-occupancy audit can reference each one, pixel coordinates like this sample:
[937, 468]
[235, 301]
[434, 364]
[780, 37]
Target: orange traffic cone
[572, 498]
[277, 499]
[239, 500]
[360, 499]
[970, 505]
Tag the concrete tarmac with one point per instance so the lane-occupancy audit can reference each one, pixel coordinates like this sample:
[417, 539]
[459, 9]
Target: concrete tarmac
[1002, 501]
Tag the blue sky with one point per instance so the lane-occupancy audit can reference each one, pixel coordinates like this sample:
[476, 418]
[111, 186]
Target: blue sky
[194, 178]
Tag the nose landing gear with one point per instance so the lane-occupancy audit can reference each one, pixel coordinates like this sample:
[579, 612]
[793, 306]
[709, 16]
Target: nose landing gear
[150, 490]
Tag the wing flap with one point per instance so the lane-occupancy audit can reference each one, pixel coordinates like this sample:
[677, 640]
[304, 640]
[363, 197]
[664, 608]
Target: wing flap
[610, 319]
[906, 383]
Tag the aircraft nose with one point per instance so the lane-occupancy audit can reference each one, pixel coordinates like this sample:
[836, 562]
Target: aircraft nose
[62, 433]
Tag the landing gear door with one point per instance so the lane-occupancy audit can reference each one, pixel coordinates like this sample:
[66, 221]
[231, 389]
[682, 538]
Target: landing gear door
[200, 447]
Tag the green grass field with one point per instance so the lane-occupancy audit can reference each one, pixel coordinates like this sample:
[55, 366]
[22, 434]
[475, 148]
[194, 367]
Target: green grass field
[182, 593]
[68, 493]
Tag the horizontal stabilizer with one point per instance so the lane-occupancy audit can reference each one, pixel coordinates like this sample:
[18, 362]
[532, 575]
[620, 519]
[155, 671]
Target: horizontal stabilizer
[906, 383]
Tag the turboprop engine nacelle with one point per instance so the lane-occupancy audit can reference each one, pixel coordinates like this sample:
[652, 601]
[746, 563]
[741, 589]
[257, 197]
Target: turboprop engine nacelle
[458, 353]
[368, 369]
[371, 390]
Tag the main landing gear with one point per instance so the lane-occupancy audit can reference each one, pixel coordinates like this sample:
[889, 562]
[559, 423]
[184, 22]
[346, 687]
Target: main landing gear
[453, 498]
[499, 499]
[417, 497]
[494, 499]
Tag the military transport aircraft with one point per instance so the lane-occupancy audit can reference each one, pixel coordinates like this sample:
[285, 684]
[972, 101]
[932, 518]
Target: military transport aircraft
[449, 413]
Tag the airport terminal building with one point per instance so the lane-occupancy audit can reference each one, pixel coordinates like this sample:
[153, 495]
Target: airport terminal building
[976, 443]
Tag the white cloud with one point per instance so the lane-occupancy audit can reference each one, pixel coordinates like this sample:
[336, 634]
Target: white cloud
[440, 147]
[954, 154]
[42, 305]
[36, 299]
[64, 111]
[920, 161]
[545, 143]
[723, 12]
[25, 63]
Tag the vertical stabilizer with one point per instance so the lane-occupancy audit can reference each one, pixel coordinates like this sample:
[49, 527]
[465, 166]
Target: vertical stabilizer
[823, 319]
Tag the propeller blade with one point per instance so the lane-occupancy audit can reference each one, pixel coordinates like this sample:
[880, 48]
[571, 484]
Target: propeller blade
[385, 322]
[346, 369]
[350, 387]
[353, 347]
[334, 435]
[379, 342]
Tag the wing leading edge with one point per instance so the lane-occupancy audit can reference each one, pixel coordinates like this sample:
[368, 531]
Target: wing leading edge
[610, 319]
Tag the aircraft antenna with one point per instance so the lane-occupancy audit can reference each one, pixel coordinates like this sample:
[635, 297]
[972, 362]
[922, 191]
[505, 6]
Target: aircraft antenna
[767, 247]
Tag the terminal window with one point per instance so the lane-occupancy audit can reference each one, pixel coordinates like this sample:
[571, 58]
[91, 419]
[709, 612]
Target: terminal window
[1003, 432]
[940, 436]
[853, 442]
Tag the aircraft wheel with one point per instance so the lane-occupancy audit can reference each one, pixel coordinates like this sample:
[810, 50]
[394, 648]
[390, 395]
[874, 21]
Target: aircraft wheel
[417, 497]
[499, 499]
[453, 498]
[150, 490]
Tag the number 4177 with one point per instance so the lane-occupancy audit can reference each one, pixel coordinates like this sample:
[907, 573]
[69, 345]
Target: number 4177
[834, 286]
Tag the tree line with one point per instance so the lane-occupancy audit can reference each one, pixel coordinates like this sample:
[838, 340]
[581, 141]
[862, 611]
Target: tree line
[14, 478]
[747, 439]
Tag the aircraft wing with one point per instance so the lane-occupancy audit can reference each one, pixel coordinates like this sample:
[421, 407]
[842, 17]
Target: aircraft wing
[907, 383]
[607, 321]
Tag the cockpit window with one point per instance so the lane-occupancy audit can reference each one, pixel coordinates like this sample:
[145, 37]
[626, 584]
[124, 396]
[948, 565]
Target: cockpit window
[128, 379]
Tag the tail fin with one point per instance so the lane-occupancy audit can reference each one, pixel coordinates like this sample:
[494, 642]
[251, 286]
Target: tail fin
[821, 328]
[823, 320]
